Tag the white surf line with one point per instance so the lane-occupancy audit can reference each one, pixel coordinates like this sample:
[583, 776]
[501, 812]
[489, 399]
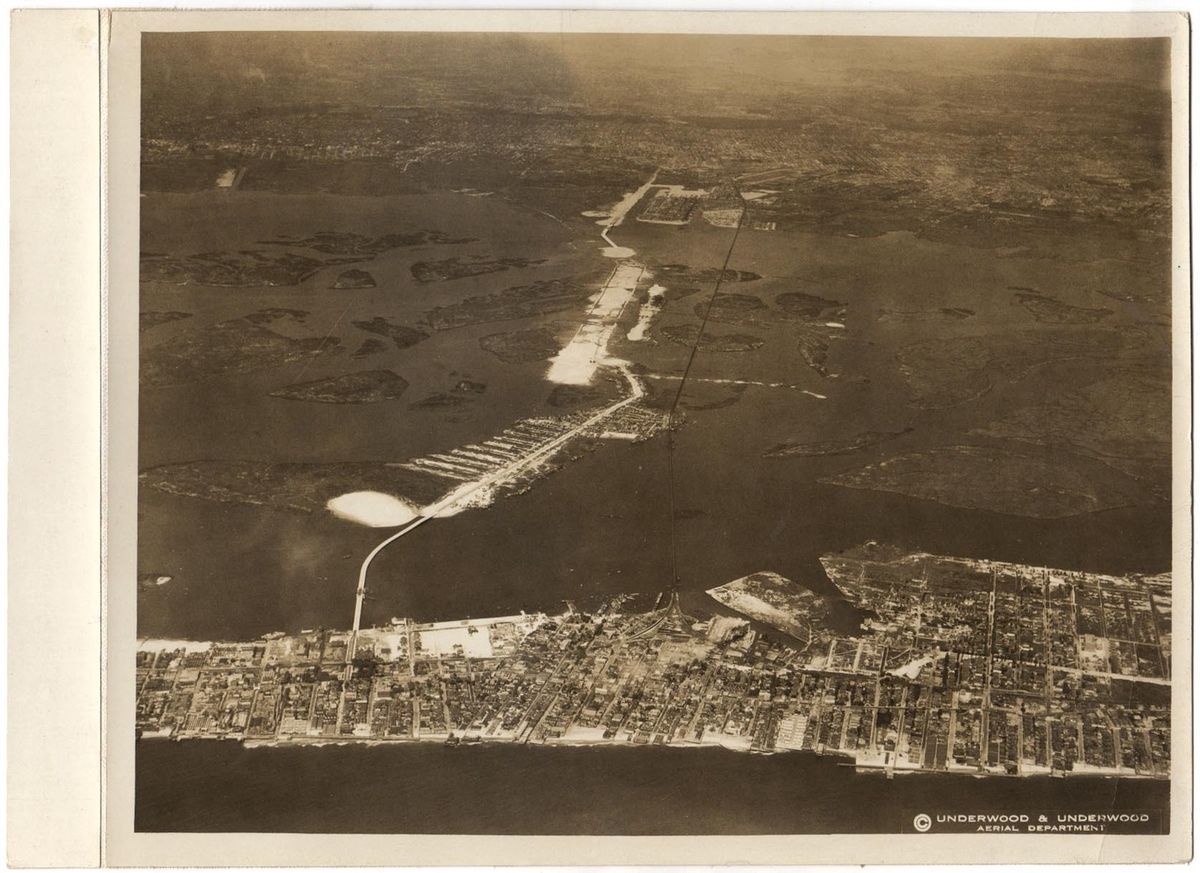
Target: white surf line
[757, 384]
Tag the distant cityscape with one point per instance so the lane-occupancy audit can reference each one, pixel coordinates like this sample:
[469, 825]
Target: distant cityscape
[960, 665]
[850, 154]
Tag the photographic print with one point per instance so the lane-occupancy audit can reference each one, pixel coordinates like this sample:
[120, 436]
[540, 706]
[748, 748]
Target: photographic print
[654, 434]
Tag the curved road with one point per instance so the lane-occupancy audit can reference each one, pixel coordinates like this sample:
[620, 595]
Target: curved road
[461, 494]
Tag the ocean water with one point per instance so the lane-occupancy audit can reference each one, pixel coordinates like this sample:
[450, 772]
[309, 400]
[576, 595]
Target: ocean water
[212, 786]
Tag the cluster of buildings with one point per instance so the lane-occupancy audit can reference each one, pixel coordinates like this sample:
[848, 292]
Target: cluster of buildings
[1026, 669]
[820, 168]
[516, 457]
[968, 666]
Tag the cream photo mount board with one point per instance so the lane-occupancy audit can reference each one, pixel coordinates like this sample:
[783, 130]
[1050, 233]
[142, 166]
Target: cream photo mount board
[55, 691]
[78, 137]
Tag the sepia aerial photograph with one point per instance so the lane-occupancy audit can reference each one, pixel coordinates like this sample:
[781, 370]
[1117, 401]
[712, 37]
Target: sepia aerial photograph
[653, 434]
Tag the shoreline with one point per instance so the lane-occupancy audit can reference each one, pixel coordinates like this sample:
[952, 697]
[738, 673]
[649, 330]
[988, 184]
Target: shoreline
[842, 759]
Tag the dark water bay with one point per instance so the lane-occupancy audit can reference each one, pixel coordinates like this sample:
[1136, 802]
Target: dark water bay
[598, 526]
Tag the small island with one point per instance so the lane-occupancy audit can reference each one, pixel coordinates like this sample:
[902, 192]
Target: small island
[521, 346]
[150, 581]
[402, 335]
[353, 279]
[365, 386]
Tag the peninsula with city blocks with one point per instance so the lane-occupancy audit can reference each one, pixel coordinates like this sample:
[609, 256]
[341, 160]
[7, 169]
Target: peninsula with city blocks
[960, 665]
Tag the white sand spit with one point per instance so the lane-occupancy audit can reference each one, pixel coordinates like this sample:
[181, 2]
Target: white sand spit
[576, 364]
[372, 508]
[646, 314]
